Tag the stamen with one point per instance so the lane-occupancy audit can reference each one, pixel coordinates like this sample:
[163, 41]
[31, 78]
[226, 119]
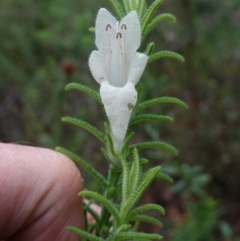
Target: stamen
[109, 51]
[108, 27]
[124, 26]
[119, 35]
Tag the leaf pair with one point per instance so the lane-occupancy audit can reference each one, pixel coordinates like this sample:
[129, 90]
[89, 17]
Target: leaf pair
[134, 183]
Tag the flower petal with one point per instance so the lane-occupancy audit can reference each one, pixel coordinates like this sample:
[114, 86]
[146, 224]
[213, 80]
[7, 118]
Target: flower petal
[118, 104]
[132, 32]
[97, 66]
[137, 65]
[105, 29]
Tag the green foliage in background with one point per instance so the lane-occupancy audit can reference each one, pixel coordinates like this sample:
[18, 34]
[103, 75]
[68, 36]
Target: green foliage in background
[202, 216]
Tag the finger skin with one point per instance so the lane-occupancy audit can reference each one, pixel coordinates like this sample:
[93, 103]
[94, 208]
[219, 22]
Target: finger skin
[38, 194]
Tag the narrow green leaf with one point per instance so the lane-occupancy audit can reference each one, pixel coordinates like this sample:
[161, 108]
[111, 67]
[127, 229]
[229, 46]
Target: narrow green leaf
[85, 165]
[125, 179]
[137, 235]
[106, 127]
[141, 8]
[133, 4]
[104, 152]
[149, 14]
[91, 129]
[118, 8]
[127, 142]
[165, 54]
[147, 179]
[103, 201]
[135, 171]
[143, 208]
[139, 89]
[123, 227]
[135, 226]
[155, 144]
[150, 117]
[157, 20]
[143, 161]
[91, 229]
[84, 89]
[150, 48]
[110, 145]
[84, 234]
[162, 100]
[148, 219]
[88, 208]
[127, 6]
[164, 177]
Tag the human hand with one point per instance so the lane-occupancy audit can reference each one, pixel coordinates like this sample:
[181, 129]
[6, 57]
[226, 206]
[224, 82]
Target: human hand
[38, 194]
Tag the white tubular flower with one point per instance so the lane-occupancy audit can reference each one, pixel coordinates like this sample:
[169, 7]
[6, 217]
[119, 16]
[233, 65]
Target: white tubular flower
[117, 67]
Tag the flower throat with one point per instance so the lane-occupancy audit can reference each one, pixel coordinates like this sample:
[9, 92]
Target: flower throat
[117, 61]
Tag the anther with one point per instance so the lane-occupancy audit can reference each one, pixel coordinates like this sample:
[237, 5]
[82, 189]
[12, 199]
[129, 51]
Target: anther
[108, 27]
[119, 35]
[124, 26]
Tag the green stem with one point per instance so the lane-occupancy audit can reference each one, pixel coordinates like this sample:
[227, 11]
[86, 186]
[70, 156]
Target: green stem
[111, 194]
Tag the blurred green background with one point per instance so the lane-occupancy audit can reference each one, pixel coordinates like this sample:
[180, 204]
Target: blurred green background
[45, 44]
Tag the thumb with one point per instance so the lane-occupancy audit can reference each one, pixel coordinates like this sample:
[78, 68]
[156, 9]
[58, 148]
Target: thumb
[38, 190]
